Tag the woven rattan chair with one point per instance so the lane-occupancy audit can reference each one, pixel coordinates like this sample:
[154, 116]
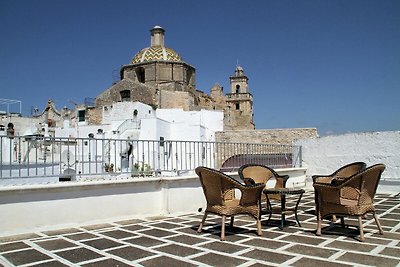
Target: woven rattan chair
[351, 197]
[219, 193]
[255, 173]
[340, 174]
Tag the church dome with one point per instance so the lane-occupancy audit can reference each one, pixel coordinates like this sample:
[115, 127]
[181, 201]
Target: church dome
[157, 50]
[156, 53]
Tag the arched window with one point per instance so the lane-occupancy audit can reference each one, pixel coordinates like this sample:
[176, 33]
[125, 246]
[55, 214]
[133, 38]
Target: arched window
[141, 75]
[237, 88]
[125, 95]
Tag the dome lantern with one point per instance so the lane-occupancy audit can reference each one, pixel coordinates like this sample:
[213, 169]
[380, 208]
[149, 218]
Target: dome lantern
[157, 36]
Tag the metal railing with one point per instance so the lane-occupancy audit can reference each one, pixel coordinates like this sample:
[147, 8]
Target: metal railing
[66, 158]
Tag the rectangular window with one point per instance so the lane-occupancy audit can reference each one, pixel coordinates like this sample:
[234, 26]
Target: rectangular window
[161, 141]
[125, 96]
[237, 106]
[81, 115]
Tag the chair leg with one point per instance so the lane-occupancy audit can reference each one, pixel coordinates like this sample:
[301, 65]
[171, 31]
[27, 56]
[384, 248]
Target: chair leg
[223, 228]
[232, 219]
[318, 223]
[360, 223]
[342, 222]
[259, 230]
[378, 224]
[202, 222]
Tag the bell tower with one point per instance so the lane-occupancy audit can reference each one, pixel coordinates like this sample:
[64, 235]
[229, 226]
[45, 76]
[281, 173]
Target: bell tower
[239, 103]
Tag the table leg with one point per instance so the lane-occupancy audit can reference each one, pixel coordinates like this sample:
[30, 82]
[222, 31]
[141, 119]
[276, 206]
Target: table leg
[283, 209]
[295, 209]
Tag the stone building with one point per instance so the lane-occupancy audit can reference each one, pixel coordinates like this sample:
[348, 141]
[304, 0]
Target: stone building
[158, 76]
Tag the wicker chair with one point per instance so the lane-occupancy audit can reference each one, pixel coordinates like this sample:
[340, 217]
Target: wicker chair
[255, 173]
[351, 197]
[219, 193]
[340, 174]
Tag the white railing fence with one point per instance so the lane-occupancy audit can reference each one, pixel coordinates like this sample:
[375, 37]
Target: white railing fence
[38, 156]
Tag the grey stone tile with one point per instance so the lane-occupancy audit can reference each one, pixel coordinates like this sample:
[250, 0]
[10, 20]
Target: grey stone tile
[313, 262]
[81, 236]
[12, 246]
[368, 259]
[157, 218]
[97, 226]
[50, 264]
[128, 222]
[388, 223]
[157, 233]
[134, 227]
[165, 261]
[260, 264]
[5, 239]
[166, 225]
[190, 230]
[319, 252]
[214, 259]
[144, 241]
[392, 216]
[395, 252]
[130, 253]
[62, 231]
[352, 246]
[55, 244]
[78, 255]
[224, 247]
[102, 243]
[265, 243]
[267, 256]
[303, 239]
[106, 263]
[178, 250]
[378, 240]
[178, 220]
[187, 239]
[25, 256]
[118, 234]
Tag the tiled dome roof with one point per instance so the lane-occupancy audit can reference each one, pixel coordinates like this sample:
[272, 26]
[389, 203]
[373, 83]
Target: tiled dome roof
[154, 53]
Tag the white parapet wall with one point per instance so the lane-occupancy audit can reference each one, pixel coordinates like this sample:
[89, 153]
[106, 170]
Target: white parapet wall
[30, 208]
[326, 154]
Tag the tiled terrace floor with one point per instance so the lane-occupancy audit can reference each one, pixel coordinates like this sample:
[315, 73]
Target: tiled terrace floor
[173, 241]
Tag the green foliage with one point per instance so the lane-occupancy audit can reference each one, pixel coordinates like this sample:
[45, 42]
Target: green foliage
[141, 170]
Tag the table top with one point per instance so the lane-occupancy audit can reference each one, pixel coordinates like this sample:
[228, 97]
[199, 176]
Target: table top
[284, 191]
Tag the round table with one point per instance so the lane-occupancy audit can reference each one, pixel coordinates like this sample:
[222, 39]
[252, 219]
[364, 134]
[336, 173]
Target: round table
[283, 210]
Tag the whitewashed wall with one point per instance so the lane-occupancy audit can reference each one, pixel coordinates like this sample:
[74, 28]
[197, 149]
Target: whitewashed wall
[326, 154]
[30, 208]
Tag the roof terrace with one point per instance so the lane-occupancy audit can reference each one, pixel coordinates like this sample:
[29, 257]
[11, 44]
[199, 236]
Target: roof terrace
[173, 241]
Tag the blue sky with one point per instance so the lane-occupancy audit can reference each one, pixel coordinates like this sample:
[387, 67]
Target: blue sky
[333, 65]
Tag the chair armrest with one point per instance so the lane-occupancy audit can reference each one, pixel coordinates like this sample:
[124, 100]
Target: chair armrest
[327, 192]
[249, 181]
[251, 194]
[333, 193]
[326, 179]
